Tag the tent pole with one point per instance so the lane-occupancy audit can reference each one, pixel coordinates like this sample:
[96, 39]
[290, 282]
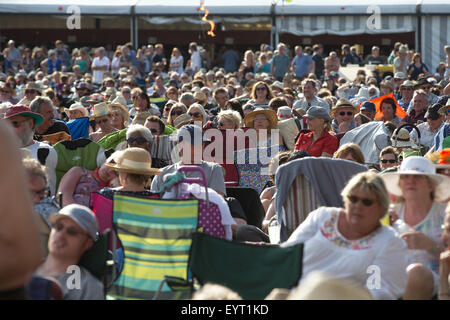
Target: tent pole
[133, 27]
[418, 33]
[273, 29]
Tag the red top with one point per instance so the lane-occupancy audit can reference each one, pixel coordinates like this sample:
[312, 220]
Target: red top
[326, 143]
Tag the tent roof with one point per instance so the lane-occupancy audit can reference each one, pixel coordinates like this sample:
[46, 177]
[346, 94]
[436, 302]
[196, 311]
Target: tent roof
[221, 7]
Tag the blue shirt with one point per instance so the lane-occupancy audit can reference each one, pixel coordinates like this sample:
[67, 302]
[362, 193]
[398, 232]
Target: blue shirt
[231, 59]
[302, 64]
[280, 65]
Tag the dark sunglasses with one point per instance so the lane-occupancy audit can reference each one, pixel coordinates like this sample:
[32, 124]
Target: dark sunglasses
[101, 121]
[178, 113]
[140, 140]
[71, 231]
[386, 161]
[426, 87]
[366, 202]
[407, 89]
[260, 88]
[153, 131]
[17, 124]
[195, 114]
[349, 113]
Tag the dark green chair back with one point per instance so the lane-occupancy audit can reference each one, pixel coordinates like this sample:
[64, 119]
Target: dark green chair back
[252, 271]
[95, 259]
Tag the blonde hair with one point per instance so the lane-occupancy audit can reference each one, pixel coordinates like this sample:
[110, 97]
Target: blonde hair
[350, 148]
[232, 116]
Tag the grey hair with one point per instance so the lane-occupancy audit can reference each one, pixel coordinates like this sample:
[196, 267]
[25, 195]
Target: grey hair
[36, 104]
[231, 115]
[143, 131]
[187, 96]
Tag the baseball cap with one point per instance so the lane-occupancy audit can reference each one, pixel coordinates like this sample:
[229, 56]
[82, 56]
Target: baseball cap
[433, 111]
[368, 105]
[82, 215]
[192, 133]
[24, 111]
[318, 112]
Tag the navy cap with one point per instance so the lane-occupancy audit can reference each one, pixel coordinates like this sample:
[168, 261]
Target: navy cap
[368, 105]
[192, 133]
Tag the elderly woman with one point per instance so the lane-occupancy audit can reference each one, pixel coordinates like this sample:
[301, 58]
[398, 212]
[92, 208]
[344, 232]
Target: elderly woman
[139, 136]
[351, 152]
[318, 142]
[261, 95]
[263, 121]
[198, 114]
[78, 183]
[350, 243]
[177, 110]
[420, 216]
[119, 115]
[229, 119]
[102, 116]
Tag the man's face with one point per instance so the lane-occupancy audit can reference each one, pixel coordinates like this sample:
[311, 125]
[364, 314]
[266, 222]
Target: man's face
[426, 87]
[344, 114]
[420, 103]
[23, 126]
[281, 50]
[136, 140]
[387, 161]
[38, 188]
[221, 99]
[368, 113]
[375, 53]
[435, 123]
[68, 241]
[298, 51]
[48, 114]
[308, 90]
[153, 127]
[407, 93]
[30, 94]
[75, 114]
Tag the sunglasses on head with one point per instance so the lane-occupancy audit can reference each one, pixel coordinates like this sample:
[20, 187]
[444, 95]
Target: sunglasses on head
[366, 202]
[388, 160]
[71, 231]
[140, 140]
[101, 121]
[349, 113]
[194, 114]
[178, 113]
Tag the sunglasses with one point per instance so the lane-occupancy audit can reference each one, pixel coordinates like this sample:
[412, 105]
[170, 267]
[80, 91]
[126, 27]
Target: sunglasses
[366, 202]
[29, 91]
[221, 124]
[17, 124]
[194, 115]
[426, 87]
[386, 161]
[153, 130]
[140, 140]
[407, 89]
[101, 121]
[260, 88]
[349, 113]
[178, 113]
[71, 231]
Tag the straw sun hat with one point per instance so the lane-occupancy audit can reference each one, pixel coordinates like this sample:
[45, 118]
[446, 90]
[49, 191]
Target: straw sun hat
[134, 160]
[418, 166]
[270, 114]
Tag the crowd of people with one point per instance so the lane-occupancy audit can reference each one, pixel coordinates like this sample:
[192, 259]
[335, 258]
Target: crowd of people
[139, 115]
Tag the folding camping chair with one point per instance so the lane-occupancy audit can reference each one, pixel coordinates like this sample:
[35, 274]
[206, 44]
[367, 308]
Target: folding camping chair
[253, 271]
[251, 204]
[156, 238]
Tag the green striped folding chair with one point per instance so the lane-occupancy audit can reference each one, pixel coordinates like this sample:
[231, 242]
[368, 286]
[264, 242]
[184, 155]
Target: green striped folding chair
[156, 238]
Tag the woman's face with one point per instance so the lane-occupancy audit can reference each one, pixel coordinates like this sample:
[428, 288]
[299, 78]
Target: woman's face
[195, 114]
[388, 111]
[136, 140]
[261, 91]
[75, 114]
[362, 211]
[172, 95]
[103, 122]
[224, 124]
[175, 113]
[315, 124]
[261, 122]
[117, 119]
[415, 186]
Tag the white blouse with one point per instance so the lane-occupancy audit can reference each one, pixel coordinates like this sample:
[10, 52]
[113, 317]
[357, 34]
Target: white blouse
[377, 261]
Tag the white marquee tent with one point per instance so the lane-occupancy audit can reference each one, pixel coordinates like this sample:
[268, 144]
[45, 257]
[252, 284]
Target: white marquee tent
[429, 19]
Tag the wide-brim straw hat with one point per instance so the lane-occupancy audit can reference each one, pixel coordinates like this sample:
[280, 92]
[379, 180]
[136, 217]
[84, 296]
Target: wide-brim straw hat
[289, 131]
[99, 110]
[77, 106]
[33, 86]
[134, 160]
[121, 104]
[402, 139]
[270, 114]
[343, 103]
[415, 165]
[181, 120]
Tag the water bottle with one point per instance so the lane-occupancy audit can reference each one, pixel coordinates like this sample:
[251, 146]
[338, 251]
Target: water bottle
[414, 255]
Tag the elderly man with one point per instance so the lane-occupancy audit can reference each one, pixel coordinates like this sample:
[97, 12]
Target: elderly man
[280, 63]
[74, 231]
[407, 92]
[310, 99]
[302, 64]
[420, 100]
[25, 122]
[32, 90]
[423, 84]
[44, 106]
[99, 66]
[344, 116]
[401, 62]
[375, 57]
[430, 128]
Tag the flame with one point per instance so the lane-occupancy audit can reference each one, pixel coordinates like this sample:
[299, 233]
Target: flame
[211, 23]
